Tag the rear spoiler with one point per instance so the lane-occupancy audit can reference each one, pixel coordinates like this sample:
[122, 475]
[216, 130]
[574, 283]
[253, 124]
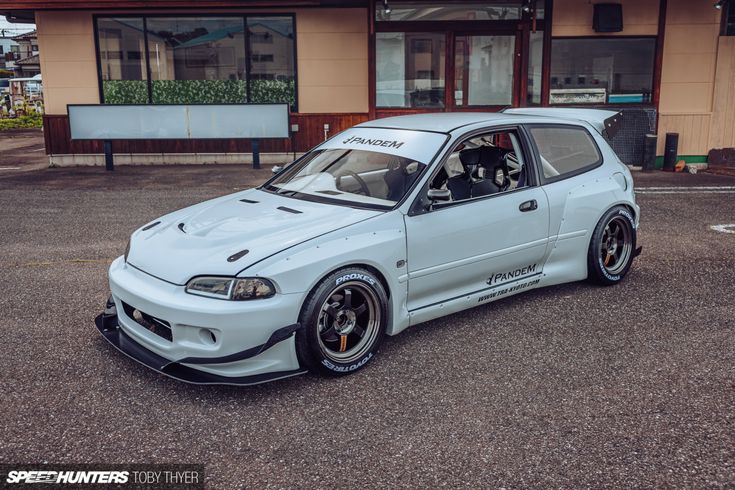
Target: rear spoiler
[607, 123]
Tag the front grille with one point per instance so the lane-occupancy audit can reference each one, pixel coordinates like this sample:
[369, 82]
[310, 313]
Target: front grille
[159, 327]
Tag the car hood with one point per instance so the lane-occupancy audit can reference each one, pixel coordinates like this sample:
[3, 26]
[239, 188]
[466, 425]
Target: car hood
[199, 240]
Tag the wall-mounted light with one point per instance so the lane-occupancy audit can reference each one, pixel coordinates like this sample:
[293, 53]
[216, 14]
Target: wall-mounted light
[386, 7]
[719, 4]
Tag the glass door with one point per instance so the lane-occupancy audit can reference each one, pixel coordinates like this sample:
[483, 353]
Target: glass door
[409, 68]
[485, 71]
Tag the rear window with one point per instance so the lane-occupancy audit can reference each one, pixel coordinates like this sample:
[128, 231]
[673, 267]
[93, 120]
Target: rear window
[565, 151]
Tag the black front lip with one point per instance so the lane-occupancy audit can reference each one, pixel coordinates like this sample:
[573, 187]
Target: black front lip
[111, 331]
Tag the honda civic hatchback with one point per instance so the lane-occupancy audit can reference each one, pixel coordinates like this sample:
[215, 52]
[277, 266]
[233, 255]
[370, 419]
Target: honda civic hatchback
[382, 227]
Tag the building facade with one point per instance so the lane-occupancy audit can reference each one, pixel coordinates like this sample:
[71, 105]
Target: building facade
[670, 64]
[9, 52]
[27, 62]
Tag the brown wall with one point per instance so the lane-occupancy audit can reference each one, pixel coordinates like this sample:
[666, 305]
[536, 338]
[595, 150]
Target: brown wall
[689, 62]
[68, 60]
[331, 49]
[688, 74]
[722, 133]
[574, 18]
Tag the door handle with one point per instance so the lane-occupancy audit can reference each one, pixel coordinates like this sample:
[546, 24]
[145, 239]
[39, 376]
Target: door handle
[528, 206]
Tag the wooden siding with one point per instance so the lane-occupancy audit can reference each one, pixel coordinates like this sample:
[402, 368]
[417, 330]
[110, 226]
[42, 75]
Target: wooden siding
[693, 132]
[722, 134]
[311, 132]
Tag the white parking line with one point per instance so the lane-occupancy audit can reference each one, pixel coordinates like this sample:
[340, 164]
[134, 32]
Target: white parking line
[9, 168]
[697, 187]
[720, 189]
[724, 228]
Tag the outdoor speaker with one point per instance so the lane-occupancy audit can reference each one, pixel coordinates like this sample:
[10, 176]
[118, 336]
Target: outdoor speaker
[607, 17]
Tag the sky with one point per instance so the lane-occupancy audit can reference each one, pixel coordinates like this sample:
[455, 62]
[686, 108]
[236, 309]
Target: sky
[19, 28]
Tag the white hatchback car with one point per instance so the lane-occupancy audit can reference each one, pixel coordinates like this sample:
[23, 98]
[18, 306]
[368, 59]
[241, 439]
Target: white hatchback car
[386, 225]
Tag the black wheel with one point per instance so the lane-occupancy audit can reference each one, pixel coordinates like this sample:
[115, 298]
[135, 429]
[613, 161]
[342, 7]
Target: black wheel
[611, 249]
[344, 321]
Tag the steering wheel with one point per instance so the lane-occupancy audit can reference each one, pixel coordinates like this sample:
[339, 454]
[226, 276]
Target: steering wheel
[363, 186]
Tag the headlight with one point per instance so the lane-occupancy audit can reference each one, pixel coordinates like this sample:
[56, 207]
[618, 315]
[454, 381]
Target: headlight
[127, 251]
[231, 288]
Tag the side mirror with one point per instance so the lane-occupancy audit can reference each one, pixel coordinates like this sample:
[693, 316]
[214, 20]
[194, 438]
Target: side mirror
[439, 195]
[277, 169]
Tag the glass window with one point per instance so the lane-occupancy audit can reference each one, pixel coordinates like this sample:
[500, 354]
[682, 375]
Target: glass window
[535, 67]
[410, 69]
[122, 63]
[272, 67]
[483, 165]
[437, 11]
[564, 150]
[729, 24]
[483, 70]
[600, 71]
[197, 59]
[358, 177]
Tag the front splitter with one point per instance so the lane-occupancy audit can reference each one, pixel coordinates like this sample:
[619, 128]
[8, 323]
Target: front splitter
[111, 331]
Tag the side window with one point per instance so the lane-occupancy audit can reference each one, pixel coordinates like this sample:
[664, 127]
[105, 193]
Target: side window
[564, 150]
[483, 165]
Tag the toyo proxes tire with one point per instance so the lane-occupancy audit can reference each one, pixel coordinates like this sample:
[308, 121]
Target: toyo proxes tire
[343, 322]
[612, 247]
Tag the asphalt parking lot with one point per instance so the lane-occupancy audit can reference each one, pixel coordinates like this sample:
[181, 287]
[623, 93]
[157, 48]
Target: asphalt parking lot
[566, 387]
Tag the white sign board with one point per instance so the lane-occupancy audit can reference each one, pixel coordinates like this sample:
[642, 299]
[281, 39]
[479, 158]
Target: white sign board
[205, 121]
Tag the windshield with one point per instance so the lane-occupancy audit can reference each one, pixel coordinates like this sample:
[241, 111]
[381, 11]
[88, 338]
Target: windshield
[366, 167]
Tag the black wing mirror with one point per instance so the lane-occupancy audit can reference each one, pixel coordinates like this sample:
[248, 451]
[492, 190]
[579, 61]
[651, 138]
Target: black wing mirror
[439, 195]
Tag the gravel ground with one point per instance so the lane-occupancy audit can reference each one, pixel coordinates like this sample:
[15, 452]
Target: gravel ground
[22, 149]
[567, 387]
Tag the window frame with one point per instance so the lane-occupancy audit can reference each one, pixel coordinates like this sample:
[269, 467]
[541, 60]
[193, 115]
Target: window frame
[537, 154]
[248, 62]
[451, 29]
[530, 158]
[654, 89]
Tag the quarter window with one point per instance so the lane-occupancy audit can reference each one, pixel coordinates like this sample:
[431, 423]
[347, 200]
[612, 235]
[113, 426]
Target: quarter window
[564, 150]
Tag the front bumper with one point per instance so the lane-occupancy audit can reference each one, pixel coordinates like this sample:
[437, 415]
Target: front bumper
[204, 340]
[110, 329]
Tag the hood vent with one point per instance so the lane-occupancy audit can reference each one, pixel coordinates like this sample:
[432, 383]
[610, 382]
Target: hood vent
[148, 227]
[238, 255]
[181, 227]
[249, 201]
[288, 210]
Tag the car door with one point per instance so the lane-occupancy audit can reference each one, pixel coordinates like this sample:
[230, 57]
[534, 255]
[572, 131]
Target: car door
[477, 244]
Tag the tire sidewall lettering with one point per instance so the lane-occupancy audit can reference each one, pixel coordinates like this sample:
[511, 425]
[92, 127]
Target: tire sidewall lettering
[624, 212]
[355, 276]
[601, 265]
[349, 368]
[605, 273]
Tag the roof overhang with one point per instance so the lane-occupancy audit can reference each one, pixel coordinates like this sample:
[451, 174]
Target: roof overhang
[8, 7]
